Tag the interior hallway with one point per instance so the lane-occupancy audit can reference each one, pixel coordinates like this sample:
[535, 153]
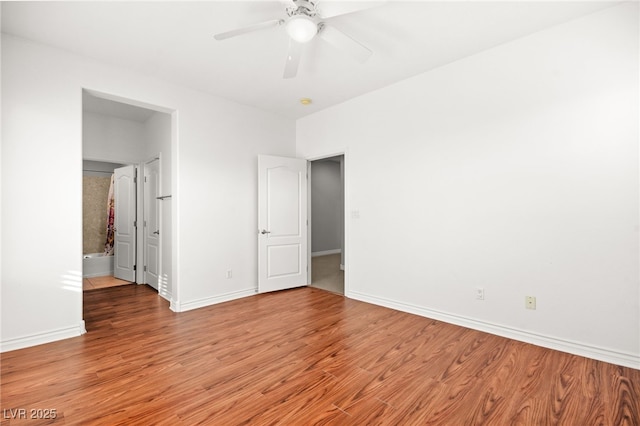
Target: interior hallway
[326, 273]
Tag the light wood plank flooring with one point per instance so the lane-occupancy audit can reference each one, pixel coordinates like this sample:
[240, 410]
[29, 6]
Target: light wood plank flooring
[302, 357]
[95, 283]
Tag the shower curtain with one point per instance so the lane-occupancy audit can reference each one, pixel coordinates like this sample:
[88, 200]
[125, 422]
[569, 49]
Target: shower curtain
[108, 245]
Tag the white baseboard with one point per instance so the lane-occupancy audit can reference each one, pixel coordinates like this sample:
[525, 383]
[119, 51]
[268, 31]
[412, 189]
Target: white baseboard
[563, 345]
[42, 338]
[165, 295]
[176, 306]
[325, 252]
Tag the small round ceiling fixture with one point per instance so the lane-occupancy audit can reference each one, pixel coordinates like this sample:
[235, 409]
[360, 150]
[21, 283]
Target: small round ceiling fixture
[305, 101]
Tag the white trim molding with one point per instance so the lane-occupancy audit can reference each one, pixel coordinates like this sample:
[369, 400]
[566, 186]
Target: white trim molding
[42, 338]
[563, 345]
[166, 296]
[214, 300]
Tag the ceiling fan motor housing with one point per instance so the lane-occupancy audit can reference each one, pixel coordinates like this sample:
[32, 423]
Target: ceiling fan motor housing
[302, 7]
[302, 25]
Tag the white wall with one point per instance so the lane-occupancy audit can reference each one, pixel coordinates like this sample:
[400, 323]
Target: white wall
[158, 142]
[515, 170]
[213, 179]
[326, 206]
[108, 138]
[1, 177]
[98, 168]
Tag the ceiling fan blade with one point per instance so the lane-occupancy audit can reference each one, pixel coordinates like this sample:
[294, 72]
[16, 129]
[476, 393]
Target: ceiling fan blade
[329, 9]
[293, 59]
[249, 29]
[342, 41]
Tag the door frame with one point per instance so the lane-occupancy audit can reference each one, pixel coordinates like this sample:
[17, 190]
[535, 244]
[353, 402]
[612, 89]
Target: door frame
[346, 208]
[140, 194]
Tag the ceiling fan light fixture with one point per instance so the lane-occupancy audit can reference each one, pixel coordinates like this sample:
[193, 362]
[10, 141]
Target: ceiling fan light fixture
[301, 28]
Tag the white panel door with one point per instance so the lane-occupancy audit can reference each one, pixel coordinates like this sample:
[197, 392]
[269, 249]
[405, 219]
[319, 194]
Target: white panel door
[124, 247]
[282, 223]
[151, 223]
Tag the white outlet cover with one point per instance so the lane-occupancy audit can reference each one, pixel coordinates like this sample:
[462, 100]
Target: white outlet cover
[530, 302]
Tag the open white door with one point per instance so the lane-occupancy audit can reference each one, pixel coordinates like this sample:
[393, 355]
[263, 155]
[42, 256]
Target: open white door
[282, 223]
[124, 191]
[151, 223]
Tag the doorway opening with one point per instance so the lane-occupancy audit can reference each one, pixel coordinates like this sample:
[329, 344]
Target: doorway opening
[327, 223]
[126, 168]
[97, 231]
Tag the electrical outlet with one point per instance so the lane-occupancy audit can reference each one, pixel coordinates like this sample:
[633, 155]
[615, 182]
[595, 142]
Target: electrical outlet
[480, 293]
[229, 273]
[530, 302]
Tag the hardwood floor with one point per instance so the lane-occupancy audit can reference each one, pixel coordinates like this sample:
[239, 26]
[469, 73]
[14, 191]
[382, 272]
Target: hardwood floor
[302, 357]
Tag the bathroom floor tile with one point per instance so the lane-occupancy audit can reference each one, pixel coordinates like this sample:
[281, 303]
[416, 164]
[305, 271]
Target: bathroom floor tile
[104, 282]
[86, 284]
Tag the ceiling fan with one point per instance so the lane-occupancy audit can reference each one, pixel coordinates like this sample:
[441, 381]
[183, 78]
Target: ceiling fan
[305, 20]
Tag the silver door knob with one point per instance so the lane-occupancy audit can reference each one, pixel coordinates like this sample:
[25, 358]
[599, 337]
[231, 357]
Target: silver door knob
[264, 231]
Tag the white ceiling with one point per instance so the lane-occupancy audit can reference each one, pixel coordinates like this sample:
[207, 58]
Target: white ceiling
[174, 41]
